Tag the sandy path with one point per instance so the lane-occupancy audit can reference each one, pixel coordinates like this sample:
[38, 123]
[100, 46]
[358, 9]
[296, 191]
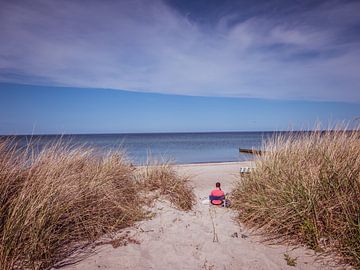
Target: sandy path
[178, 240]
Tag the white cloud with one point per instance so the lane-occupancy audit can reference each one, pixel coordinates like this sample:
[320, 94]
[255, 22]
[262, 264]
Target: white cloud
[135, 45]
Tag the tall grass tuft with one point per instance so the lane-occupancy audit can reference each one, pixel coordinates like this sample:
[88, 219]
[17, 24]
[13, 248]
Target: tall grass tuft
[162, 177]
[306, 187]
[60, 199]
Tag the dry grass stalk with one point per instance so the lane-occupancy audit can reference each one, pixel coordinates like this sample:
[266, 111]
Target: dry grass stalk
[162, 177]
[59, 199]
[307, 187]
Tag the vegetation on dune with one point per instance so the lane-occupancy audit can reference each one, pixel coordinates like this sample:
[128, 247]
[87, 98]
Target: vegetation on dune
[63, 198]
[163, 178]
[306, 187]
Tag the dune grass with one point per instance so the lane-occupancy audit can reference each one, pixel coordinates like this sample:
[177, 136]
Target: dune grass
[162, 178]
[306, 187]
[62, 198]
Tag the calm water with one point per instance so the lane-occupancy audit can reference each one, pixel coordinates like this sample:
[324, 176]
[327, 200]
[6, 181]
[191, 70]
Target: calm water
[180, 147]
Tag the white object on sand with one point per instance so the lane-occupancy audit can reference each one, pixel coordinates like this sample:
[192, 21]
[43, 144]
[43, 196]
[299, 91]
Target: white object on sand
[205, 202]
[245, 170]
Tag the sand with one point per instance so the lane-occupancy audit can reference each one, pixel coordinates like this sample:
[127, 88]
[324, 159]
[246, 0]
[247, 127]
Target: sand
[205, 238]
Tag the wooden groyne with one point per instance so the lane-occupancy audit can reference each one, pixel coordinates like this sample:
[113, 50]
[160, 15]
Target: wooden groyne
[251, 151]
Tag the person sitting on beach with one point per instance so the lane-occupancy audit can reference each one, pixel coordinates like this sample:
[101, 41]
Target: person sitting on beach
[217, 196]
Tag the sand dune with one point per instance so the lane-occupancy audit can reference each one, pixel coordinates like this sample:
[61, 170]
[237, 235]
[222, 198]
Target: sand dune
[206, 238]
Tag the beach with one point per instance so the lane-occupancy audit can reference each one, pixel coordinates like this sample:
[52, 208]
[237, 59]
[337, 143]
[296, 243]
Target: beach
[179, 134]
[207, 237]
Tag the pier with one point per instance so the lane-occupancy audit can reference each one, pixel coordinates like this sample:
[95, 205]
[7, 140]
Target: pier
[251, 151]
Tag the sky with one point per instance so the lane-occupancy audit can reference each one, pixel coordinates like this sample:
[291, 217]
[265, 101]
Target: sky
[176, 65]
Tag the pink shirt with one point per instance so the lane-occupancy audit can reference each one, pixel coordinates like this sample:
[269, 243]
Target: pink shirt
[217, 193]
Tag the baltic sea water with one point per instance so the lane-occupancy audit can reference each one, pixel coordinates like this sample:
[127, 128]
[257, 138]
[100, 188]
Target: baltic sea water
[180, 148]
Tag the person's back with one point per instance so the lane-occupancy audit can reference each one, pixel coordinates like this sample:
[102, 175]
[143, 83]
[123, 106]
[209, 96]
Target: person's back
[217, 192]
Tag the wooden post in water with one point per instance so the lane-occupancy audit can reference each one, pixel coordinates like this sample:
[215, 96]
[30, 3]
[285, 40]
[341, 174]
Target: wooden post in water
[251, 151]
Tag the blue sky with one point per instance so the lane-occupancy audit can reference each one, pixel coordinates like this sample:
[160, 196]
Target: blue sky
[202, 65]
[44, 110]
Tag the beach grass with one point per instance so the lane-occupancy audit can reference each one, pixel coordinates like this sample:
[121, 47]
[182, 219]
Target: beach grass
[60, 199]
[305, 188]
[161, 177]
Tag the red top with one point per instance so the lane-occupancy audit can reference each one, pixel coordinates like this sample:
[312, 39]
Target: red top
[217, 193]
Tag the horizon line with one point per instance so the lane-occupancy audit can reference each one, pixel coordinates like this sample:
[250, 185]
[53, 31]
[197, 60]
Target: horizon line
[172, 132]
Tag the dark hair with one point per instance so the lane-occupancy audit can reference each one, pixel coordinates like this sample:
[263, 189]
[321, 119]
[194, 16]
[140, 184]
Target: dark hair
[217, 184]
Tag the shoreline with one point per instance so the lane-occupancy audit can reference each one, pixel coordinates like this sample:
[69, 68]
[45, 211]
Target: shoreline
[212, 163]
[246, 163]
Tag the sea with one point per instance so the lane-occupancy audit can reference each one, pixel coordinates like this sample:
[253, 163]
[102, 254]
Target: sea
[178, 148]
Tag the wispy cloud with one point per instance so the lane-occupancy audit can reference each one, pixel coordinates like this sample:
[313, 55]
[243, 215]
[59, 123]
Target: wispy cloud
[134, 45]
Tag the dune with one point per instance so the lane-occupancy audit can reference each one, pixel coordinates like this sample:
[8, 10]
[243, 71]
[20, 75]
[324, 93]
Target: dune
[206, 238]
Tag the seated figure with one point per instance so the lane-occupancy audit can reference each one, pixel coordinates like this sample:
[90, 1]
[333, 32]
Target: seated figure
[217, 196]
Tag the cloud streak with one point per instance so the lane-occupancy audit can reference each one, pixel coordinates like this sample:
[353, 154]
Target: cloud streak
[132, 45]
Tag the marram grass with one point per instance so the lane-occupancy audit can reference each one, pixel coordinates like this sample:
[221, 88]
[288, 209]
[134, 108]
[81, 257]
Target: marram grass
[62, 198]
[306, 187]
[160, 177]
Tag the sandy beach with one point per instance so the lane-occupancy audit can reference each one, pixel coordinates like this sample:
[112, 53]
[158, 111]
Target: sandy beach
[205, 238]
